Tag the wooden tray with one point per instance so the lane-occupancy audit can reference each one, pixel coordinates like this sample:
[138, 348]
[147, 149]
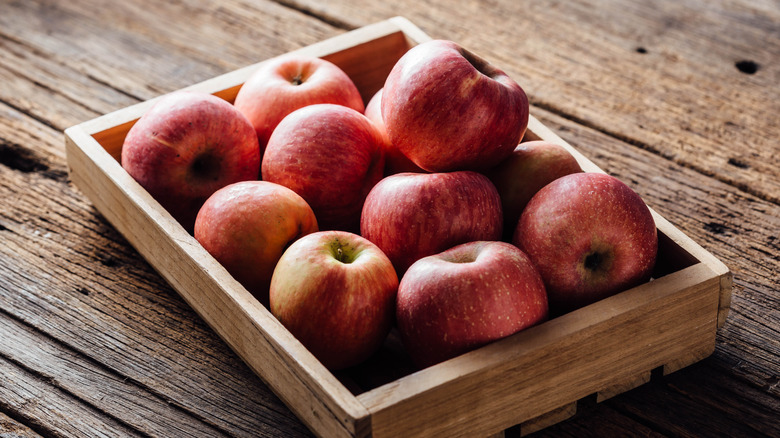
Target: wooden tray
[533, 378]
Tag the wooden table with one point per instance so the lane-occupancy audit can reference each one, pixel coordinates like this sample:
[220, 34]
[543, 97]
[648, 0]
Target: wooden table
[681, 100]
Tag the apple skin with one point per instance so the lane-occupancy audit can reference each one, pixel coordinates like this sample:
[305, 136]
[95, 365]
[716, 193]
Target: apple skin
[187, 146]
[590, 236]
[531, 166]
[335, 292]
[283, 84]
[395, 161]
[413, 215]
[448, 109]
[247, 226]
[466, 297]
[329, 154]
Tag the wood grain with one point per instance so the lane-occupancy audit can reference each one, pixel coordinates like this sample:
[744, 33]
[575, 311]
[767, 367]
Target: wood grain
[66, 275]
[15, 429]
[114, 394]
[43, 406]
[142, 51]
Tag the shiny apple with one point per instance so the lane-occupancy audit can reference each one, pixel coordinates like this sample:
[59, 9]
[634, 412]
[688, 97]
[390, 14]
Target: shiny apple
[413, 215]
[329, 154]
[283, 84]
[335, 292]
[395, 161]
[531, 166]
[466, 297]
[447, 109]
[186, 147]
[590, 235]
[247, 226]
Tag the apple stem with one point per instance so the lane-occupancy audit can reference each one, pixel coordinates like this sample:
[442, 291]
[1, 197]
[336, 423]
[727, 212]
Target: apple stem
[340, 254]
[297, 80]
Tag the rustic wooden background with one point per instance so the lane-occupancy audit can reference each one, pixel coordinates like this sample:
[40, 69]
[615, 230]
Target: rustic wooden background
[680, 99]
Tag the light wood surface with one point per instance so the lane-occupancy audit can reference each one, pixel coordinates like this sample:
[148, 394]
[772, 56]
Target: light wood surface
[95, 342]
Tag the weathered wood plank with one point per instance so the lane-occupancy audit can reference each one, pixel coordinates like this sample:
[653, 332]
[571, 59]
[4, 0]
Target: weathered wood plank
[94, 385]
[142, 49]
[68, 76]
[14, 429]
[660, 75]
[599, 421]
[38, 84]
[51, 410]
[698, 402]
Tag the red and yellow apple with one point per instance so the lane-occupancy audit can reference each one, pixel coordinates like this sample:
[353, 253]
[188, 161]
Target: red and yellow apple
[186, 147]
[590, 236]
[531, 166]
[395, 161]
[413, 215]
[329, 154]
[281, 85]
[466, 297]
[247, 226]
[447, 109]
[335, 292]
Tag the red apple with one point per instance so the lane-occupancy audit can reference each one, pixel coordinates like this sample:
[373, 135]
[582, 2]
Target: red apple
[448, 109]
[286, 83]
[247, 226]
[186, 147]
[335, 292]
[413, 215]
[395, 161]
[590, 236]
[531, 166]
[466, 297]
[331, 155]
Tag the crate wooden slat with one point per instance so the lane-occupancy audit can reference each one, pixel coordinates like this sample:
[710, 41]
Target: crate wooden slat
[533, 378]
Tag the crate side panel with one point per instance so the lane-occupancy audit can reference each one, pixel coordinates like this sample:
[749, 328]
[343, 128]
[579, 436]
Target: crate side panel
[556, 363]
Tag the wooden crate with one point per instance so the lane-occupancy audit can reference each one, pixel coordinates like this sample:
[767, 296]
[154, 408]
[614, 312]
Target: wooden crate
[533, 378]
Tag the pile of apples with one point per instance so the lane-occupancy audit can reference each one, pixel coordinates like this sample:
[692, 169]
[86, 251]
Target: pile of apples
[421, 210]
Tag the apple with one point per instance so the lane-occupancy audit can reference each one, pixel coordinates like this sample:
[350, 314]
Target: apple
[246, 226]
[466, 297]
[413, 215]
[335, 292]
[590, 236]
[531, 166]
[448, 109]
[395, 161]
[329, 154]
[286, 83]
[187, 146]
